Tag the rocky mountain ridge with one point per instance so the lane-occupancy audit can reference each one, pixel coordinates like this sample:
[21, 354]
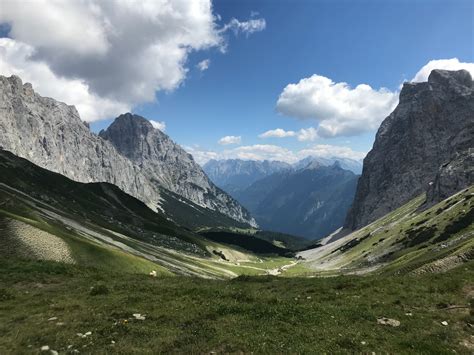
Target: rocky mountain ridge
[425, 144]
[237, 174]
[160, 159]
[234, 175]
[51, 134]
[348, 164]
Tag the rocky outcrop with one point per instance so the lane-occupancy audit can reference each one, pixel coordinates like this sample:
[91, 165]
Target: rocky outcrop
[51, 134]
[160, 159]
[425, 142]
[452, 177]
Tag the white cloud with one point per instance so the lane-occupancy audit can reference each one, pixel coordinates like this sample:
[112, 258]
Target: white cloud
[447, 64]
[339, 109]
[201, 156]
[204, 64]
[275, 152]
[342, 110]
[307, 134]
[230, 140]
[14, 59]
[257, 152]
[277, 133]
[245, 27]
[304, 134]
[161, 125]
[115, 54]
[329, 151]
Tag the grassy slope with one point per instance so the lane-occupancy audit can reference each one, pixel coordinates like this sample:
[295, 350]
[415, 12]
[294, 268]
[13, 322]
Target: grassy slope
[403, 240]
[107, 228]
[263, 315]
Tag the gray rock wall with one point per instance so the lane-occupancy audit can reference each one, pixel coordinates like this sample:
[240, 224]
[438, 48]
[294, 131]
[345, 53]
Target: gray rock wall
[432, 126]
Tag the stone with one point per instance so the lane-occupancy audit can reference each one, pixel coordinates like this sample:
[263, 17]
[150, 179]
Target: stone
[139, 316]
[388, 321]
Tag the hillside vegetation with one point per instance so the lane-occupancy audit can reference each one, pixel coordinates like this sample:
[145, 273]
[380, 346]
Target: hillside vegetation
[408, 239]
[57, 305]
[99, 225]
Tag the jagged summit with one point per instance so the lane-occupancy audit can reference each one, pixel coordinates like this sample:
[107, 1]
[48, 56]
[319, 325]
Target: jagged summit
[130, 154]
[450, 78]
[432, 127]
[164, 161]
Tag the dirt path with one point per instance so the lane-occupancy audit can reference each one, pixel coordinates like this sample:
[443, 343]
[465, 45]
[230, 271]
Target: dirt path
[279, 270]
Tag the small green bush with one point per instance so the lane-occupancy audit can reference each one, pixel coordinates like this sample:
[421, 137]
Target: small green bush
[5, 295]
[99, 289]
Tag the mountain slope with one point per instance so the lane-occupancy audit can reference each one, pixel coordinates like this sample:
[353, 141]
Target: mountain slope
[405, 240]
[51, 134]
[310, 202]
[431, 129]
[45, 215]
[235, 174]
[162, 160]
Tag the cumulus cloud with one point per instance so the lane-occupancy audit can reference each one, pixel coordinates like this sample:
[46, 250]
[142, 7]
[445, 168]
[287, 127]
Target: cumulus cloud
[447, 64]
[15, 60]
[304, 134]
[161, 125]
[329, 151]
[118, 53]
[204, 64]
[340, 109]
[277, 133]
[201, 156]
[230, 140]
[275, 152]
[307, 134]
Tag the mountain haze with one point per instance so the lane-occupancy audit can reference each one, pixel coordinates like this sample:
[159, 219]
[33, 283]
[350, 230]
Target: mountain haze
[310, 202]
[236, 174]
[348, 164]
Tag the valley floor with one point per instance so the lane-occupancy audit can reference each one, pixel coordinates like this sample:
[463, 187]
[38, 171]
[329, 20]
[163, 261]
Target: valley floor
[51, 304]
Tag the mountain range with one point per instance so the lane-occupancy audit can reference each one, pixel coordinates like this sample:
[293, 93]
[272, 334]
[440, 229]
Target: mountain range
[237, 174]
[130, 154]
[310, 202]
[132, 194]
[309, 198]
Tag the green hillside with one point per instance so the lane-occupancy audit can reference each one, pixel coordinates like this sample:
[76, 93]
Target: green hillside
[408, 239]
[54, 305]
[98, 225]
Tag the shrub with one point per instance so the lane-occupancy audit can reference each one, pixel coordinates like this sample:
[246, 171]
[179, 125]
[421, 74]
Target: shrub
[99, 289]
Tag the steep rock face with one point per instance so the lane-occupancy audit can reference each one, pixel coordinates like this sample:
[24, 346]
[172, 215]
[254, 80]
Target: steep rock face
[160, 159]
[51, 134]
[425, 141]
[235, 174]
[452, 177]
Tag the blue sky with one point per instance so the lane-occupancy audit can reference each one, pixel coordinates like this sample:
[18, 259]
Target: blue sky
[379, 43]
